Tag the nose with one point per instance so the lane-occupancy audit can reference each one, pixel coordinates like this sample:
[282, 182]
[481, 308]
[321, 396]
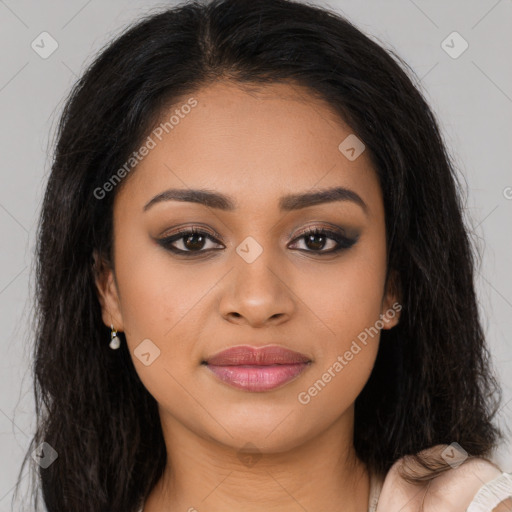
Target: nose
[258, 293]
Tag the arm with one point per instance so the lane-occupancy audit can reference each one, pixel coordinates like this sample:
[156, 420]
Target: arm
[504, 506]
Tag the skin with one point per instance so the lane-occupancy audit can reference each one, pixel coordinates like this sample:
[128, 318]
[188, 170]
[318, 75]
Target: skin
[255, 147]
[452, 491]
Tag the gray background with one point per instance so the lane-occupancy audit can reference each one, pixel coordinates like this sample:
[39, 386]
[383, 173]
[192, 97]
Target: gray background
[471, 95]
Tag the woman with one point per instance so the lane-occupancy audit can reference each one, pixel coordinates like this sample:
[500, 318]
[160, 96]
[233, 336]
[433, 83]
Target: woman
[255, 200]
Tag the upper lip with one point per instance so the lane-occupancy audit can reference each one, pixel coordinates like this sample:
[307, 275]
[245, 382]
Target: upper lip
[262, 356]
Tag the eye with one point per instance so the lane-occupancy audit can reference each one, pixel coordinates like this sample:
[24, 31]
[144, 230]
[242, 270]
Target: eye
[192, 240]
[317, 239]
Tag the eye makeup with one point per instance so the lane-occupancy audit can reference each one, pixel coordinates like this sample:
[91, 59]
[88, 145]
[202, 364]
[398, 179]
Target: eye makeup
[193, 240]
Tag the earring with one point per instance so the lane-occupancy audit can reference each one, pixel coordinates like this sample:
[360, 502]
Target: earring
[114, 340]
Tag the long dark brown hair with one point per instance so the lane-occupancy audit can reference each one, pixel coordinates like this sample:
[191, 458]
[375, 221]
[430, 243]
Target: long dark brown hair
[432, 382]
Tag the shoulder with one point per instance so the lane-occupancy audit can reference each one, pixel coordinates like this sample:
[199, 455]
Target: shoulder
[451, 491]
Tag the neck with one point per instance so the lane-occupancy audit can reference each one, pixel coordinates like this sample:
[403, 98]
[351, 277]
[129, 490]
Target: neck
[322, 473]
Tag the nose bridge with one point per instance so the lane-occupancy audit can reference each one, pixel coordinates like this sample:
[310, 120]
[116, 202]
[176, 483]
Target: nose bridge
[259, 290]
[257, 264]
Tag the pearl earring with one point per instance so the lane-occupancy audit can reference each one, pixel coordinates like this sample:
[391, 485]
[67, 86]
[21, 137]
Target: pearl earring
[114, 340]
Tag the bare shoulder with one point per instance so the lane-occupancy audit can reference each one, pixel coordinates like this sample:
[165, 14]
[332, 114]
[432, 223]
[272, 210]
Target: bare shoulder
[456, 488]
[452, 491]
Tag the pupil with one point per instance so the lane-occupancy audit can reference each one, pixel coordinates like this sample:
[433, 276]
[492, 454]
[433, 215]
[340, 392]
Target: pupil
[315, 241]
[194, 246]
[310, 238]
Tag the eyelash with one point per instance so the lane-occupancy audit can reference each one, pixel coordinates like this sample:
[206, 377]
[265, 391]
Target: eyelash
[342, 241]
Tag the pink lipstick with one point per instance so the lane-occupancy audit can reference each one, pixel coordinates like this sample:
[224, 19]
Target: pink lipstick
[257, 369]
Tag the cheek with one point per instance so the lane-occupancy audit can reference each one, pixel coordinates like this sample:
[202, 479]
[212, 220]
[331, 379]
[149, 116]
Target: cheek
[348, 340]
[158, 307]
[155, 293]
[345, 298]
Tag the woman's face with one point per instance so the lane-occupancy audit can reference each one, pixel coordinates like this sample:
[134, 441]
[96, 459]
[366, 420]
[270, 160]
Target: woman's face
[259, 280]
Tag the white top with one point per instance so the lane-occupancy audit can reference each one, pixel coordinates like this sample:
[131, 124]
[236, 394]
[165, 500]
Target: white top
[492, 494]
[488, 496]
[375, 488]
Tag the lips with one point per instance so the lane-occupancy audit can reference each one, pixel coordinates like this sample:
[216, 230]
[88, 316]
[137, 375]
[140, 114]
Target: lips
[257, 369]
[264, 356]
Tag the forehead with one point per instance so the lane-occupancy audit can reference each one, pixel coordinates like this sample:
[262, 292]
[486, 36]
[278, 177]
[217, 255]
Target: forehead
[254, 144]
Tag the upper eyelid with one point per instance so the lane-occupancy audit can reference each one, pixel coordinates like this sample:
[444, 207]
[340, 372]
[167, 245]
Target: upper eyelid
[331, 233]
[303, 231]
[308, 229]
[194, 229]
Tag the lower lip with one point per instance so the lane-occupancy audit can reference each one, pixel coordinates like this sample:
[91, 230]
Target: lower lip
[258, 378]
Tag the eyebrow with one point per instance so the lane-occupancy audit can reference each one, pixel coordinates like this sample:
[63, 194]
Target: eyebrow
[286, 203]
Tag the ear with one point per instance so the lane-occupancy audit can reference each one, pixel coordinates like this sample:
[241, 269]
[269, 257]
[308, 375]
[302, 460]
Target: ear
[108, 294]
[391, 302]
